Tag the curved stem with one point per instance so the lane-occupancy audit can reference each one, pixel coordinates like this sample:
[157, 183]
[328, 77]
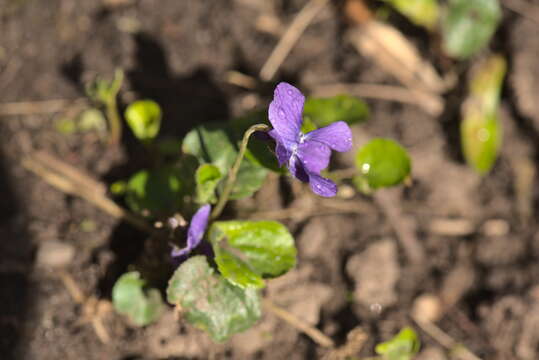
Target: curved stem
[233, 173]
[113, 116]
[115, 121]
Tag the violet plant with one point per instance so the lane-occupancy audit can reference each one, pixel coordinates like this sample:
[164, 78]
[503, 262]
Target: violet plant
[221, 264]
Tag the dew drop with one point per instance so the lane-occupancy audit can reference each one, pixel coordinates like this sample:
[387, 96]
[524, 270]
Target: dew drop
[376, 308]
[365, 168]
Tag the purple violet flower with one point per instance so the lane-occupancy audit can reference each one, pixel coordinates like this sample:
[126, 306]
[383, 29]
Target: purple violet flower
[195, 233]
[305, 155]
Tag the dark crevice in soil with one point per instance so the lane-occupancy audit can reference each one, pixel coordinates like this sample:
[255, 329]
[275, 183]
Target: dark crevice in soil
[126, 243]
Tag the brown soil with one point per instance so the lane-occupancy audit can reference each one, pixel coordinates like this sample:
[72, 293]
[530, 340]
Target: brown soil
[179, 56]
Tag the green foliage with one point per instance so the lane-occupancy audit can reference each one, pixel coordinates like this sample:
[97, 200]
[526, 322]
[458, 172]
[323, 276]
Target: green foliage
[481, 133]
[144, 119]
[91, 119]
[421, 12]
[382, 163]
[402, 346]
[210, 302]
[207, 177]
[468, 26]
[215, 144]
[169, 147]
[326, 111]
[105, 91]
[131, 298]
[248, 251]
[156, 192]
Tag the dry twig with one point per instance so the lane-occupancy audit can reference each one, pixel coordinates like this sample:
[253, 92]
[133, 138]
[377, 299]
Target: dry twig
[36, 107]
[93, 308]
[354, 343]
[404, 230]
[319, 337]
[457, 349]
[70, 180]
[432, 104]
[290, 37]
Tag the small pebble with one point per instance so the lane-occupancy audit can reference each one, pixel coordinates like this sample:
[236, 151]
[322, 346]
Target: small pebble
[55, 254]
[427, 307]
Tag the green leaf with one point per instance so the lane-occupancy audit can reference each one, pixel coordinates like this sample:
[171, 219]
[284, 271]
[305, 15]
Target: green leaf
[207, 177]
[480, 130]
[131, 298]
[215, 144]
[421, 12]
[210, 302]
[105, 90]
[383, 163]
[66, 126]
[468, 26]
[248, 251]
[326, 111]
[401, 347]
[92, 119]
[157, 192]
[144, 119]
[118, 187]
[171, 147]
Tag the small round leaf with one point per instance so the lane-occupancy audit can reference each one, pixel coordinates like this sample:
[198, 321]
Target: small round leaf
[144, 119]
[131, 298]
[383, 162]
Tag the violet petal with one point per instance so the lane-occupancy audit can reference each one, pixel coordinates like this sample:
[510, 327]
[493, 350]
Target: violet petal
[314, 156]
[337, 136]
[197, 227]
[297, 169]
[285, 111]
[322, 186]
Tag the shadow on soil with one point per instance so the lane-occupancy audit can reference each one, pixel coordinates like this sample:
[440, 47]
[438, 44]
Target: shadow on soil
[15, 265]
[186, 101]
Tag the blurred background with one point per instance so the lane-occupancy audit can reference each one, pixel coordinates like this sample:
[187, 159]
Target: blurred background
[452, 253]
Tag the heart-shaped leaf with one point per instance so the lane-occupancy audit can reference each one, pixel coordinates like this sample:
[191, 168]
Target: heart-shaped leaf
[468, 26]
[248, 251]
[131, 298]
[210, 302]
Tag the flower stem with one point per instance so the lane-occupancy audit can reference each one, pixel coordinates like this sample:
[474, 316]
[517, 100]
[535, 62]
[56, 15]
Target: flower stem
[233, 173]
